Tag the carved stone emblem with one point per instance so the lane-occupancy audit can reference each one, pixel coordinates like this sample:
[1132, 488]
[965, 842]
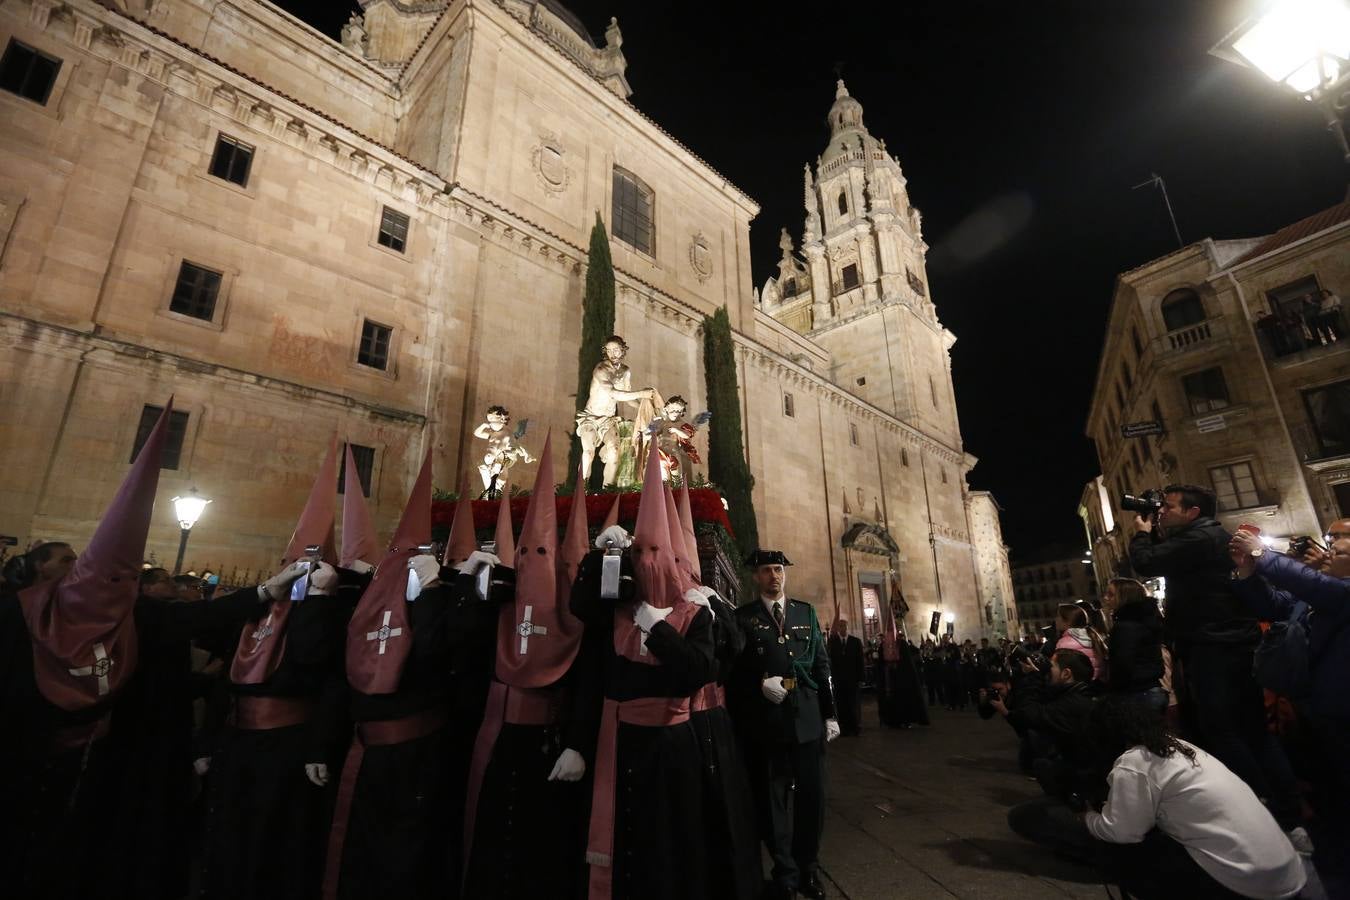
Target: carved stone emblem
[549, 166]
[700, 257]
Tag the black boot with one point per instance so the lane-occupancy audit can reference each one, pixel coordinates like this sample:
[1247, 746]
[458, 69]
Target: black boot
[811, 887]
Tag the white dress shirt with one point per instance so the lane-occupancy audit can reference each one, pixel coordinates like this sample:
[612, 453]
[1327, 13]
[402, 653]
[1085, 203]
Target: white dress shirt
[1208, 810]
[781, 603]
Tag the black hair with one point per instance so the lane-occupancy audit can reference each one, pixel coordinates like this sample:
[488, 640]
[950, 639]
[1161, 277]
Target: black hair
[615, 339]
[676, 398]
[499, 410]
[1193, 495]
[153, 575]
[189, 580]
[1075, 662]
[1120, 721]
[42, 553]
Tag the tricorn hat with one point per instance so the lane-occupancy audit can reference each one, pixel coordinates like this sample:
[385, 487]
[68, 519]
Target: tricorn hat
[767, 558]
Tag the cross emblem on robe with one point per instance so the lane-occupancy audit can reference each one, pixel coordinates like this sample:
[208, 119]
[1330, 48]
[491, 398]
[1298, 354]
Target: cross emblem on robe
[527, 628]
[384, 633]
[102, 666]
[264, 630]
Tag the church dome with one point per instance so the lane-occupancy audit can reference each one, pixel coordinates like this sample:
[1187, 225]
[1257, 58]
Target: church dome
[570, 19]
[846, 113]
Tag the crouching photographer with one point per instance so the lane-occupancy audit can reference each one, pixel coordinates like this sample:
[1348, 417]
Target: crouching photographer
[1213, 634]
[1314, 606]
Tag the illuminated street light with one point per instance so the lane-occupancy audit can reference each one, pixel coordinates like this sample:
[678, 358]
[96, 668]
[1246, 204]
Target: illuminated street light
[188, 509]
[1303, 45]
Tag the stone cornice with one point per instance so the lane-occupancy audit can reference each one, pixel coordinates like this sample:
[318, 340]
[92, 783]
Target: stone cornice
[82, 343]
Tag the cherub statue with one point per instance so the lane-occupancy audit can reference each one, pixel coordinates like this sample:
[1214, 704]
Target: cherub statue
[503, 452]
[675, 437]
[354, 36]
[598, 421]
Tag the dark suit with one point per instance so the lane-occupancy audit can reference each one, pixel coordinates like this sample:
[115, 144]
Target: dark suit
[846, 665]
[784, 742]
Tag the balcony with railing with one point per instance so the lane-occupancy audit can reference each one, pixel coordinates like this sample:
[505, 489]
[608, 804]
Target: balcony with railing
[1292, 337]
[1194, 336]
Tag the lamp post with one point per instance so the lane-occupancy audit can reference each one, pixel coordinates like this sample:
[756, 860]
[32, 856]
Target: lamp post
[188, 509]
[1303, 45]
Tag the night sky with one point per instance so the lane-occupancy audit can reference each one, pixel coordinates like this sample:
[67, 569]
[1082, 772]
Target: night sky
[1021, 128]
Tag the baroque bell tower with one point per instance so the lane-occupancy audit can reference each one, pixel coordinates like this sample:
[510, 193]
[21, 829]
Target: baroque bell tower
[860, 286]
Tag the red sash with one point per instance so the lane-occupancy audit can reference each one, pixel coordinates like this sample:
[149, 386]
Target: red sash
[652, 712]
[266, 713]
[710, 696]
[505, 705]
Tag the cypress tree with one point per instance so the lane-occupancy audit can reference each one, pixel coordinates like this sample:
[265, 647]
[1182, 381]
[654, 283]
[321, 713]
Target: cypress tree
[727, 467]
[597, 323]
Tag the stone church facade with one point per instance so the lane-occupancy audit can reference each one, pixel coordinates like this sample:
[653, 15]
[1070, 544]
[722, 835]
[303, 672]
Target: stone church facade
[385, 235]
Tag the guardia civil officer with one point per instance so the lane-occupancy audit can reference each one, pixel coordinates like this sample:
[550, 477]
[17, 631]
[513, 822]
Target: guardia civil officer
[782, 701]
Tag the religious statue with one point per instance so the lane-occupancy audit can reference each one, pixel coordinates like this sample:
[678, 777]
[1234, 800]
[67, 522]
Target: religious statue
[598, 421]
[502, 451]
[354, 36]
[674, 438]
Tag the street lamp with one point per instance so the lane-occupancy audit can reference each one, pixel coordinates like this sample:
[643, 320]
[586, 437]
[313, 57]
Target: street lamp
[188, 509]
[1303, 45]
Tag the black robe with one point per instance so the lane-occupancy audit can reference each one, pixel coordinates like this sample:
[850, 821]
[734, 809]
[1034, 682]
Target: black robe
[402, 838]
[659, 789]
[109, 818]
[846, 667]
[267, 824]
[529, 839]
[900, 701]
[734, 868]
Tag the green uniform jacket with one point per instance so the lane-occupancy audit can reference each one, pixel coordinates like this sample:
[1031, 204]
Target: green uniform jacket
[800, 656]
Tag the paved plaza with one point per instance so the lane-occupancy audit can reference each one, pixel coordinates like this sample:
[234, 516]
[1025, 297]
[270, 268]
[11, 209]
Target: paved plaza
[922, 813]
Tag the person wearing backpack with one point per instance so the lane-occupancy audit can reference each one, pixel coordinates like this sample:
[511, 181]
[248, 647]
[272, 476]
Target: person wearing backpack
[1283, 590]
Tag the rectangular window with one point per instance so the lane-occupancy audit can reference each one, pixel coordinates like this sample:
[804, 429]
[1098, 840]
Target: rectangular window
[173, 439]
[1297, 301]
[633, 212]
[944, 476]
[374, 349]
[364, 457]
[789, 409]
[1234, 486]
[904, 457]
[862, 382]
[393, 230]
[1329, 414]
[28, 72]
[195, 292]
[1205, 391]
[849, 276]
[932, 390]
[853, 434]
[232, 160]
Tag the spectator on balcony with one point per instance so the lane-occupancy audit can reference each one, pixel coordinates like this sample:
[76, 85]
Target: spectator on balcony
[1329, 317]
[1277, 338]
[1294, 330]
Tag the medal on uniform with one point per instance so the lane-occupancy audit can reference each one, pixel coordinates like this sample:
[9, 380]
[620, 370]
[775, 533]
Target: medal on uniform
[781, 639]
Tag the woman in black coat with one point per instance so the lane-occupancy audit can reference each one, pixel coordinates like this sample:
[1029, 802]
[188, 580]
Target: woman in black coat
[1134, 657]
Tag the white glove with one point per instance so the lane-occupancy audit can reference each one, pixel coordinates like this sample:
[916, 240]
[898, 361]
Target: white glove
[831, 730]
[698, 598]
[278, 587]
[569, 767]
[323, 580]
[427, 569]
[317, 773]
[613, 535]
[201, 765]
[476, 559]
[647, 615]
[707, 591]
[361, 567]
[773, 689]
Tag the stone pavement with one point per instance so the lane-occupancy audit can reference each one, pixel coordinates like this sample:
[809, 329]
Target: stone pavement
[922, 813]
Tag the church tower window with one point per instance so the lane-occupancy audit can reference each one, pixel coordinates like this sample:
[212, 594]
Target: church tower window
[849, 276]
[232, 160]
[393, 230]
[634, 223]
[28, 72]
[789, 407]
[843, 203]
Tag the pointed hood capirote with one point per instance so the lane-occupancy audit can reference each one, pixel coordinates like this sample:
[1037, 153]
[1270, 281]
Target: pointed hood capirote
[358, 532]
[461, 543]
[537, 635]
[379, 635]
[612, 517]
[677, 543]
[82, 625]
[503, 536]
[687, 530]
[657, 574]
[576, 539]
[262, 645]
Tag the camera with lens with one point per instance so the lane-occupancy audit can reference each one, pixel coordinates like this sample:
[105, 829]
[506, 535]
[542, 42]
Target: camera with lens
[1146, 504]
[1301, 544]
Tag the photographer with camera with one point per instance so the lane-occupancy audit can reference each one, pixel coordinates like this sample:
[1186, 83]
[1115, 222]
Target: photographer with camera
[1213, 634]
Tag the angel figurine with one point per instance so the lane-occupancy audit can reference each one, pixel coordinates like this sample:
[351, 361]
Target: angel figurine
[674, 437]
[502, 451]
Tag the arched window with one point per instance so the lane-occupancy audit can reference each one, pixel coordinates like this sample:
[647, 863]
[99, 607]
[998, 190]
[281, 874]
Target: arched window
[633, 212]
[843, 203]
[1182, 307]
